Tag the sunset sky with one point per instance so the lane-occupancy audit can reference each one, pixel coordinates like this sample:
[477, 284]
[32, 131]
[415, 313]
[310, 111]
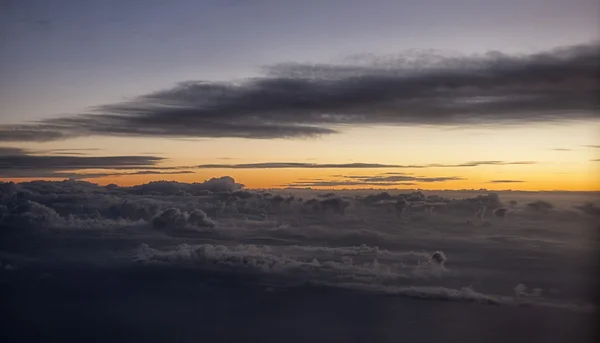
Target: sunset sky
[430, 94]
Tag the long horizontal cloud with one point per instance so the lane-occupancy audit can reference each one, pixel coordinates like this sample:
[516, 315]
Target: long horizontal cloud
[506, 181]
[283, 165]
[300, 100]
[375, 180]
[345, 183]
[404, 178]
[15, 162]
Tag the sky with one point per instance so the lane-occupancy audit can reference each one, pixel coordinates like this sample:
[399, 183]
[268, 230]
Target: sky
[324, 94]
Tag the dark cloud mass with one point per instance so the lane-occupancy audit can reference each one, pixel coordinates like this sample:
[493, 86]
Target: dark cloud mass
[300, 100]
[201, 248]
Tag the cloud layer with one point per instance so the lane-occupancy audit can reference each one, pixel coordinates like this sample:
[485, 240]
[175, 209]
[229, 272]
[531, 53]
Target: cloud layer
[301, 100]
[420, 245]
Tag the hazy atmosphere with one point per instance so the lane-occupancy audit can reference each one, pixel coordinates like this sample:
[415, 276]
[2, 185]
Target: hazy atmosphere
[294, 171]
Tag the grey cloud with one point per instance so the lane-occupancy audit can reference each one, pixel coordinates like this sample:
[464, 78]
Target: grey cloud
[275, 165]
[299, 100]
[33, 133]
[540, 206]
[589, 208]
[345, 183]
[16, 162]
[49, 173]
[480, 163]
[99, 175]
[174, 218]
[10, 151]
[403, 178]
[222, 184]
[374, 180]
[154, 172]
[72, 162]
[368, 249]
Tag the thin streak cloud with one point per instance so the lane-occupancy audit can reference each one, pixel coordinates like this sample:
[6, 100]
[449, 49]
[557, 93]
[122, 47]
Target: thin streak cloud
[281, 165]
[19, 163]
[506, 181]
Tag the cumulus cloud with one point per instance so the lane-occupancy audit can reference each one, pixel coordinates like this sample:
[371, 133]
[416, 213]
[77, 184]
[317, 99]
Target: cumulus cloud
[540, 206]
[28, 214]
[500, 212]
[438, 257]
[174, 218]
[343, 239]
[332, 204]
[72, 204]
[589, 208]
[311, 263]
[301, 100]
[221, 184]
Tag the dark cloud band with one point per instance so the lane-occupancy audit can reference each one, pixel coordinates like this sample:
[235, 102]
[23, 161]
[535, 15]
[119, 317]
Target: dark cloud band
[20, 163]
[300, 100]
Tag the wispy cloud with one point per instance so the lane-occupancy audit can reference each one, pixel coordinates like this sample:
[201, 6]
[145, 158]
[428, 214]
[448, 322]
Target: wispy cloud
[404, 178]
[506, 181]
[277, 165]
[19, 163]
[345, 183]
[373, 180]
[302, 100]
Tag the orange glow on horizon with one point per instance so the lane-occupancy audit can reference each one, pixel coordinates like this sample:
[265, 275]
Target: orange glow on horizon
[475, 178]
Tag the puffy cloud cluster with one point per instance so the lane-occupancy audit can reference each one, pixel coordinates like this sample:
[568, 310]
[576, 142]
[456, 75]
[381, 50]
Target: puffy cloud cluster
[540, 206]
[214, 185]
[589, 208]
[71, 203]
[174, 218]
[438, 257]
[362, 264]
[390, 242]
[28, 214]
